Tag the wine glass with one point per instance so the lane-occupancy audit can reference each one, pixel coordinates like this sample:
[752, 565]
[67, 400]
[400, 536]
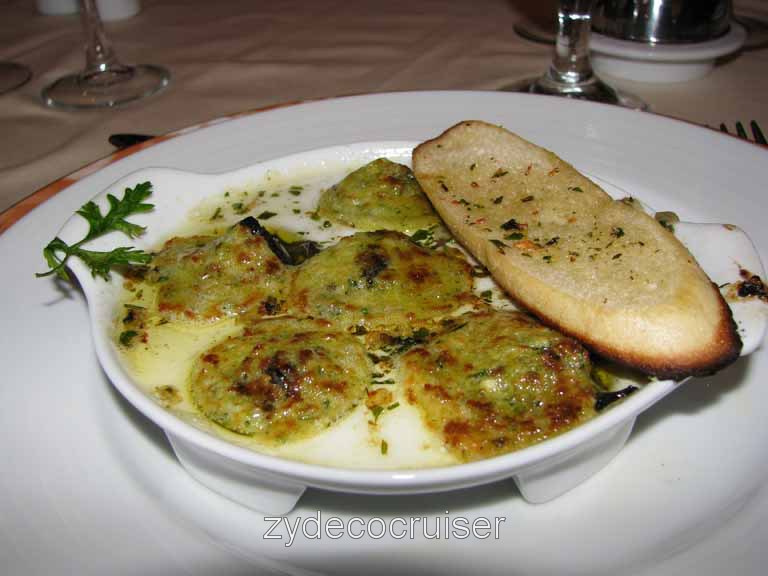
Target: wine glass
[570, 73]
[12, 76]
[105, 81]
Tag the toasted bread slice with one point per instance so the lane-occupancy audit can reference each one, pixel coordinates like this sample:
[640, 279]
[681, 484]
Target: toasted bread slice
[596, 268]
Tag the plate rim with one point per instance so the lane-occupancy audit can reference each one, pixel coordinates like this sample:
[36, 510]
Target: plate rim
[12, 214]
[655, 481]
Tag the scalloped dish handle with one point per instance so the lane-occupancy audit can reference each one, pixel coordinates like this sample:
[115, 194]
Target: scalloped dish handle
[729, 257]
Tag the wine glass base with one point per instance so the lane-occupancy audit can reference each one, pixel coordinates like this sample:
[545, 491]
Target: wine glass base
[12, 76]
[594, 90]
[113, 87]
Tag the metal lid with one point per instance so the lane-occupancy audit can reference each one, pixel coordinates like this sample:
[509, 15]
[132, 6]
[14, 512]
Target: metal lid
[662, 21]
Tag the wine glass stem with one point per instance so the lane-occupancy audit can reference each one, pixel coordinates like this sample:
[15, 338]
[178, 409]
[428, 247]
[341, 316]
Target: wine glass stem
[99, 55]
[571, 63]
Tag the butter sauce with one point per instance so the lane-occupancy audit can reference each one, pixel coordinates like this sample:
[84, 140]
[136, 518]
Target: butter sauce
[161, 354]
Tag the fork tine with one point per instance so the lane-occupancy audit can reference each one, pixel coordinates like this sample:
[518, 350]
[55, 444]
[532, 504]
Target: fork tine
[740, 131]
[758, 134]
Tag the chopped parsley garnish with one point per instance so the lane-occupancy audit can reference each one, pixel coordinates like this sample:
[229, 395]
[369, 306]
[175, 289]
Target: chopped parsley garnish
[487, 295]
[127, 336]
[377, 410]
[400, 344]
[666, 224]
[423, 237]
[216, 214]
[498, 200]
[617, 232]
[575, 189]
[239, 208]
[101, 263]
[514, 236]
[296, 190]
[266, 215]
[499, 173]
[384, 447]
[527, 199]
[511, 224]
[451, 325]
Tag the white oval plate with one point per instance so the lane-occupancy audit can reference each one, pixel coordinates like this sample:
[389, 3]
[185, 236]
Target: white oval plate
[273, 485]
[86, 471]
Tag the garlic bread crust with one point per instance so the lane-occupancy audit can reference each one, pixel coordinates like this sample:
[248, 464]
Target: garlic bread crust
[594, 267]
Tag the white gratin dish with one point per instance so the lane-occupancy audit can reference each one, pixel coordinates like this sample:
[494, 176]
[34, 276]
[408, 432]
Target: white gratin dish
[273, 485]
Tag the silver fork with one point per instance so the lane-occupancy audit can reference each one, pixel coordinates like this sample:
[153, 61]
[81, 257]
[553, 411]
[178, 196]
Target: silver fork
[757, 134]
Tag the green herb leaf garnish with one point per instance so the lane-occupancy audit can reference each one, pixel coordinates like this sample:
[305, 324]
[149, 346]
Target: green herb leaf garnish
[127, 336]
[421, 236]
[511, 224]
[425, 237]
[376, 410]
[666, 224]
[57, 252]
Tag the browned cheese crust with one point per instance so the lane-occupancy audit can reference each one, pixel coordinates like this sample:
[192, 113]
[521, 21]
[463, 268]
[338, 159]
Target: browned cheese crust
[597, 269]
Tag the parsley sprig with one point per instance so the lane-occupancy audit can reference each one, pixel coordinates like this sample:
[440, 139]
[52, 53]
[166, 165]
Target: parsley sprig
[57, 252]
